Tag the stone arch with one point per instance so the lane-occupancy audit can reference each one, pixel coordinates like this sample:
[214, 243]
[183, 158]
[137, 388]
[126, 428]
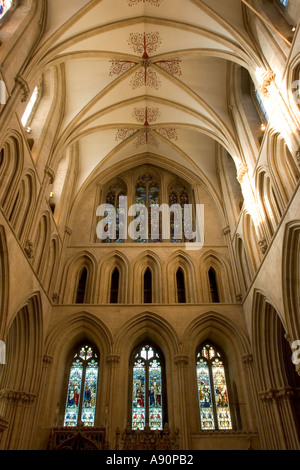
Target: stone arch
[41, 244]
[251, 242]
[114, 260]
[291, 278]
[180, 260]
[242, 264]
[151, 261]
[276, 380]
[20, 379]
[60, 343]
[51, 264]
[214, 260]
[234, 343]
[21, 210]
[4, 280]
[283, 168]
[71, 277]
[269, 202]
[11, 165]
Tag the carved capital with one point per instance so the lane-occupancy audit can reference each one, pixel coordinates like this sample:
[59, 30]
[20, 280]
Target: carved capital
[50, 173]
[23, 86]
[113, 359]
[226, 230]
[298, 158]
[17, 396]
[47, 360]
[68, 231]
[263, 245]
[247, 359]
[268, 78]
[181, 360]
[55, 298]
[242, 172]
[28, 248]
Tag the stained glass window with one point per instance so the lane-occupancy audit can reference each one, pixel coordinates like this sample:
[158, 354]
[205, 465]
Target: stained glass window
[113, 198]
[147, 388]
[180, 226]
[212, 390]
[284, 2]
[82, 388]
[5, 5]
[147, 194]
[29, 108]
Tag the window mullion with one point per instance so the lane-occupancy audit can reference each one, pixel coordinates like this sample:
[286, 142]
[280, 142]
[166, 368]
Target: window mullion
[147, 410]
[213, 395]
[82, 393]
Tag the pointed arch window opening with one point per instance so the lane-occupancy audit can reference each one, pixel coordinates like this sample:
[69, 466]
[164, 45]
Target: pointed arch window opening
[82, 388]
[178, 194]
[213, 398]
[214, 291]
[148, 286]
[5, 5]
[81, 287]
[180, 284]
[147, 390]
[114, 288]
[147, 193]
[113, 198]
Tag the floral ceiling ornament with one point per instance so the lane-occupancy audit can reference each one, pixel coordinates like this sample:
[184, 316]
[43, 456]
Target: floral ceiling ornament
[145, 44]
[155, 3]
[145, 135]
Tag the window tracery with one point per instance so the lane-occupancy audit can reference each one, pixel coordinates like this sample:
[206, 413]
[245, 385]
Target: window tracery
[82, 388]
[212, 390]
[147, 389]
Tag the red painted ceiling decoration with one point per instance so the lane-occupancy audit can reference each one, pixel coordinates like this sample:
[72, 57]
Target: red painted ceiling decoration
[151, 2]
[146, 116]
[145, 44]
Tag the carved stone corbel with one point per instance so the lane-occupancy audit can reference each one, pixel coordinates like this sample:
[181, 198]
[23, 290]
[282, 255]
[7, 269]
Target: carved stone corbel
[23, 86]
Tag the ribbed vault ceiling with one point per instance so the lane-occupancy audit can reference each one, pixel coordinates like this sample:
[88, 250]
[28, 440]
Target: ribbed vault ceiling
[146, 77]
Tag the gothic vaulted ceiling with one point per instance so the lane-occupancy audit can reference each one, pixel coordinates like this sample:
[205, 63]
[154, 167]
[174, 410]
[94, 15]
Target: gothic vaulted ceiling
[146, 77]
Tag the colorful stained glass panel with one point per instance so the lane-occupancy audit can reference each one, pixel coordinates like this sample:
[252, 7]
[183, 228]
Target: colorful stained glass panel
[155, 396]
[90, 393]
[138, 395]
[205, 396]
[221, 395]
[74, 392]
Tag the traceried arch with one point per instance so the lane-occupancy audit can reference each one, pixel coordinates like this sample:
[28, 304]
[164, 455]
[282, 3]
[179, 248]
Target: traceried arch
[147, 193]
[179, 196]
[113, 195]
[212, 389]
[82, 388]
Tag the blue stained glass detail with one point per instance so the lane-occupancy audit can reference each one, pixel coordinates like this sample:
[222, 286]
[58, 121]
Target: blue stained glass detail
[212, 391]
[147, 400]
[5, 5]
[82, 389]
[284, 2]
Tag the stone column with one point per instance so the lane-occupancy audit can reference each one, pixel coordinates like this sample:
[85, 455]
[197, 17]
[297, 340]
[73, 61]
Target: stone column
[181, 362]
[113, 361]
[56, 297]
[18, 413]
